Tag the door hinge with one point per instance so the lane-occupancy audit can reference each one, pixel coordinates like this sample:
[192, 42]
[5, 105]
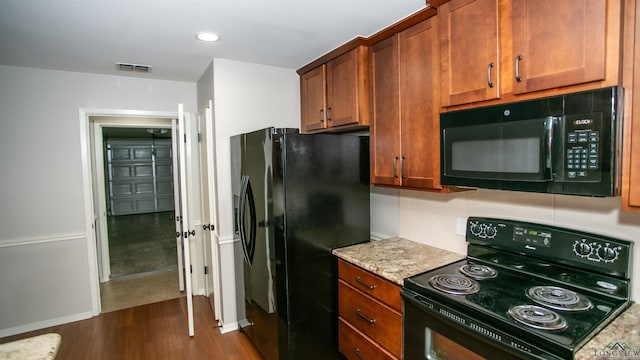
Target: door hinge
[185, 138]
[191, 269]
[206, 271]
[199, 137]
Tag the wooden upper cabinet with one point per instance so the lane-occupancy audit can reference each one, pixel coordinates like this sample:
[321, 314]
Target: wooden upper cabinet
[558, 43]
[468, 51]
[385, 130]
[313, 99]
[405, 130]
[498, 51]
[419, 105]
[335, 95]
[630, 194]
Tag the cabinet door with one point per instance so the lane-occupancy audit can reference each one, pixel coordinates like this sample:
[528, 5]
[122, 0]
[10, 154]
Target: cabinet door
[558, 43]
[420, 138]
[385, 130]
[312, 99]
[631, 155]
[342, 85]
[468, 31]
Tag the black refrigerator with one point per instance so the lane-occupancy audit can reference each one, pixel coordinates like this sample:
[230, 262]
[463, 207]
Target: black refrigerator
[296, 197]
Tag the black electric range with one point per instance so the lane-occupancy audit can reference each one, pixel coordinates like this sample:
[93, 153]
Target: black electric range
[532, 290]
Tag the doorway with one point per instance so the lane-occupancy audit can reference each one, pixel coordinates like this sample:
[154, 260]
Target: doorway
[134, 174]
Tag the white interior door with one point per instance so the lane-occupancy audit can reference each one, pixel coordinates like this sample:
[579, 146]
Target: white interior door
[99, 201]
[209, 200]
[183, 224]
[175, 149]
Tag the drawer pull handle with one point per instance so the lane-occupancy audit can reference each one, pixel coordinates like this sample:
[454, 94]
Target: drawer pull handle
[518, 77]
[368, 319]
[359, 355]
[359, 281]
[489, 82]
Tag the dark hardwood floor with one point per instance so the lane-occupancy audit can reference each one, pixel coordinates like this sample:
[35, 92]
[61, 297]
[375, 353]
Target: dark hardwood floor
[155, 331]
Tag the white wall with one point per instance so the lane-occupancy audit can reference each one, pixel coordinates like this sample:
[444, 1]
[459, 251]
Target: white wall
[44, 256]
[431, 218]
[246, 97]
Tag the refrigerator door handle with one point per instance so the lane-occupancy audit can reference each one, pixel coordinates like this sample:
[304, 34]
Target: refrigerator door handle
[242, 226]
[253, 218]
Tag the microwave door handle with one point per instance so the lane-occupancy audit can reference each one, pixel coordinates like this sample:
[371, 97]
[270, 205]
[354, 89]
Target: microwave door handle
[549, 123]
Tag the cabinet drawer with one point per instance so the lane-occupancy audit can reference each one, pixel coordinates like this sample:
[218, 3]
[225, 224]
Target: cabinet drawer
[374, 319]
[355, 346]
[379, 288]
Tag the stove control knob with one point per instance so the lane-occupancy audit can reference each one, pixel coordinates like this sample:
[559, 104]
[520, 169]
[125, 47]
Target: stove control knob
[490, 231]
[475, 228]
[582, 249]
[607, 254]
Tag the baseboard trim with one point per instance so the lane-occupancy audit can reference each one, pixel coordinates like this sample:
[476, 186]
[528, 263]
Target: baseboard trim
[45, 324]
[225, 328]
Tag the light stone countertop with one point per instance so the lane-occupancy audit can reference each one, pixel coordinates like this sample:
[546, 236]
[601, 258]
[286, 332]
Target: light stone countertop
[610, 343]
[396, 259]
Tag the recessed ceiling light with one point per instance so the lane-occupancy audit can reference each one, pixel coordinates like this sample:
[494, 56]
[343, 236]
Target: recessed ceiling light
[208, 37]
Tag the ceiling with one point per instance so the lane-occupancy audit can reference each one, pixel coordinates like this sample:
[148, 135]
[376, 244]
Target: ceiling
[92, 35]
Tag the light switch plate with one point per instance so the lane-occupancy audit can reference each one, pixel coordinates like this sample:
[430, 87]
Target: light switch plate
[461, 226]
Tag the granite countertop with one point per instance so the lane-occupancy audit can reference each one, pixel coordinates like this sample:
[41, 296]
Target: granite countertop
[396, 259]
[619, 340]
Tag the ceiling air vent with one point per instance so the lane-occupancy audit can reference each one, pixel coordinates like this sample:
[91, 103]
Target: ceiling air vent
[133, 67]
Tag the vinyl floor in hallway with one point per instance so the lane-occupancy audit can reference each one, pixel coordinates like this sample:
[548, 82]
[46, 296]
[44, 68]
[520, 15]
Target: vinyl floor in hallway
[155, 331]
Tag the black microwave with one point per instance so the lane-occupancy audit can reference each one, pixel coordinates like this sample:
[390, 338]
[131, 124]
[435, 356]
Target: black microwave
[566, 144]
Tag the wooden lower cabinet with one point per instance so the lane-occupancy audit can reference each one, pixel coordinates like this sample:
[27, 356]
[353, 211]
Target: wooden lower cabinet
[370, 320]
[357, 346]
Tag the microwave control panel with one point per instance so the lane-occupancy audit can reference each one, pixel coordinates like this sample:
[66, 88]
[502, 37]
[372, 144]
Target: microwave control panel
[583, 145]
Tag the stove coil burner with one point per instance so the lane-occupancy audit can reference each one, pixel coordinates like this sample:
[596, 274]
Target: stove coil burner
[455, 284]
[478, 272]
[558, 298]
[538, 317]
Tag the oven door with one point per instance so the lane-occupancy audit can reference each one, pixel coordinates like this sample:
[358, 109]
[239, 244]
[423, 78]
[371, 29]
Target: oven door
[430, 335]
